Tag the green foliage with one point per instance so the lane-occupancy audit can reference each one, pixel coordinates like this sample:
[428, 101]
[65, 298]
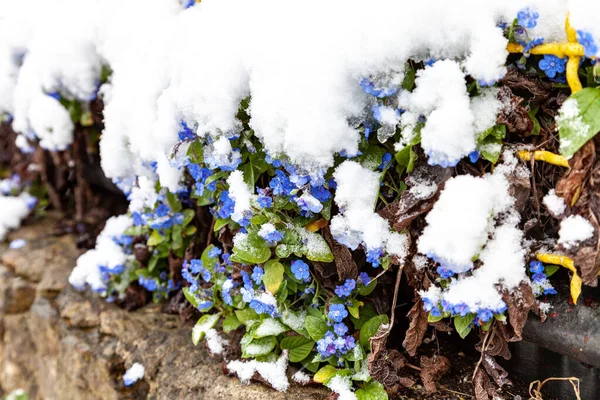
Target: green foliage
[575, 130]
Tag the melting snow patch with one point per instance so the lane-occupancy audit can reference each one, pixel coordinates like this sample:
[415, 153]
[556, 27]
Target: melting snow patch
[573, 230]
[133, 374]
[273, 372]
[556, 205]
[342, 385]
[216, 344]
[301, 377]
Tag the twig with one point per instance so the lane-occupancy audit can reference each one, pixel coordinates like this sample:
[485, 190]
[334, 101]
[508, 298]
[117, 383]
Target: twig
[413, 367]
[483, 349]
[535, 388]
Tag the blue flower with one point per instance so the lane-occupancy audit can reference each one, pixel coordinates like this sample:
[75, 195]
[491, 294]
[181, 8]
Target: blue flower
[373, 256]
[536, 267]
[148, 283]
[246, 279]
[308, 204]
[385, 161]
[337, 312]
[227, 205]
[226, 291]
[205, 305]
[551, 65]
[214, 252]
[435, 312]
[364, 278]
[340, 329]
[474, 156]
[185, 133]
[325, 346]
[196, 266]
[527, 18]
[461, 309]
[346, 289]
[257, 274]
[549, 290]
[309, 290]
[444, 272]
[321, 193]
[484, 315]
[162, 210]
[428, 305]
[247, 294]
[264, 200]
[587, 41]
[206, 275]
[538, 278]
[281, 184]
[270, 234]
[300, 270]
[263, 308]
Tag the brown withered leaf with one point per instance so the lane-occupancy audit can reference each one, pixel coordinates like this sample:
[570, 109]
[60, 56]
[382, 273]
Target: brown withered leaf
[497, 343]
[483, 388]
[517, 80]
[494, 369]
[135, 297]
[513, 114]
[417, 328]
[385, 367]
[432, 369]
[175, 264]
[442, 326]
[410, 205]
[344, 263]
[141, 253]
[581, 163]
[519, 302]
[519, 189]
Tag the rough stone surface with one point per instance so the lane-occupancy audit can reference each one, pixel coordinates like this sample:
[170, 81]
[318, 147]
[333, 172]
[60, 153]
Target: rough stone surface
[57, 343]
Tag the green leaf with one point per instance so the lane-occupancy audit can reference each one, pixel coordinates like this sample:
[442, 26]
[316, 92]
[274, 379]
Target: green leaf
[406, 158]
[316, 327]
[316, 246]
[259, 347]
[190, 297]
[196, 152]
[366, 290]
[536, 124]
[188, 216]
[575, 129]
[371, 157]
[463, 324]
[189, 230]
[156, 238]
[254, 167]
[299, 347]
[273, 275]
[431, 318]
[489, 142]
[356, 354]
[325, 374]
[221, 223]
[369, 329]
[230, 323]
[354, 309]
[246, 251]
[408, 83]
[372, 390]
[153, 262]
[366, 313]
[246, 315]
[206, 322]
[177, 239]
[550, 269]
[174, 202]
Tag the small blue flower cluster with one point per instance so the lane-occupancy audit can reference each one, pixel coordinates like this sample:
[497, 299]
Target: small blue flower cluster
[541, 285]
[552, 65]
[369, 88]
[587, 41]
[197, 274]
[527, 18]
[336, 343]
[301, 271]
[346, 289]
[200, 175]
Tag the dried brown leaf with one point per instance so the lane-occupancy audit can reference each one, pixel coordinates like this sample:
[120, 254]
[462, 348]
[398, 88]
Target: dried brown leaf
[483, 388]
[417, 328]
[519, 302]
[344, 263]
[517, 80]
[513, 114]
[432, 369]
[442, 326]
[581, 164]
[494, 369]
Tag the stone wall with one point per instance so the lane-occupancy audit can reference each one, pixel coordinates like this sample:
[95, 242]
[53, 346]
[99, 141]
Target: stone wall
[57, 343]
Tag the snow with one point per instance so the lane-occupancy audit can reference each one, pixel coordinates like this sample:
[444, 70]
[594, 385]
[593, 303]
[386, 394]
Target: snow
[303, 85]
[107, 253]
[17, 244]
[301, 377]
[356, 194]
[13, 211]
[269, 327]
[272, 372]
[216, 344]
[294, 319]
[461, 220]
[342, 385]
[240, 193]
[574, 229]
[556, 205]
[133, 374]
